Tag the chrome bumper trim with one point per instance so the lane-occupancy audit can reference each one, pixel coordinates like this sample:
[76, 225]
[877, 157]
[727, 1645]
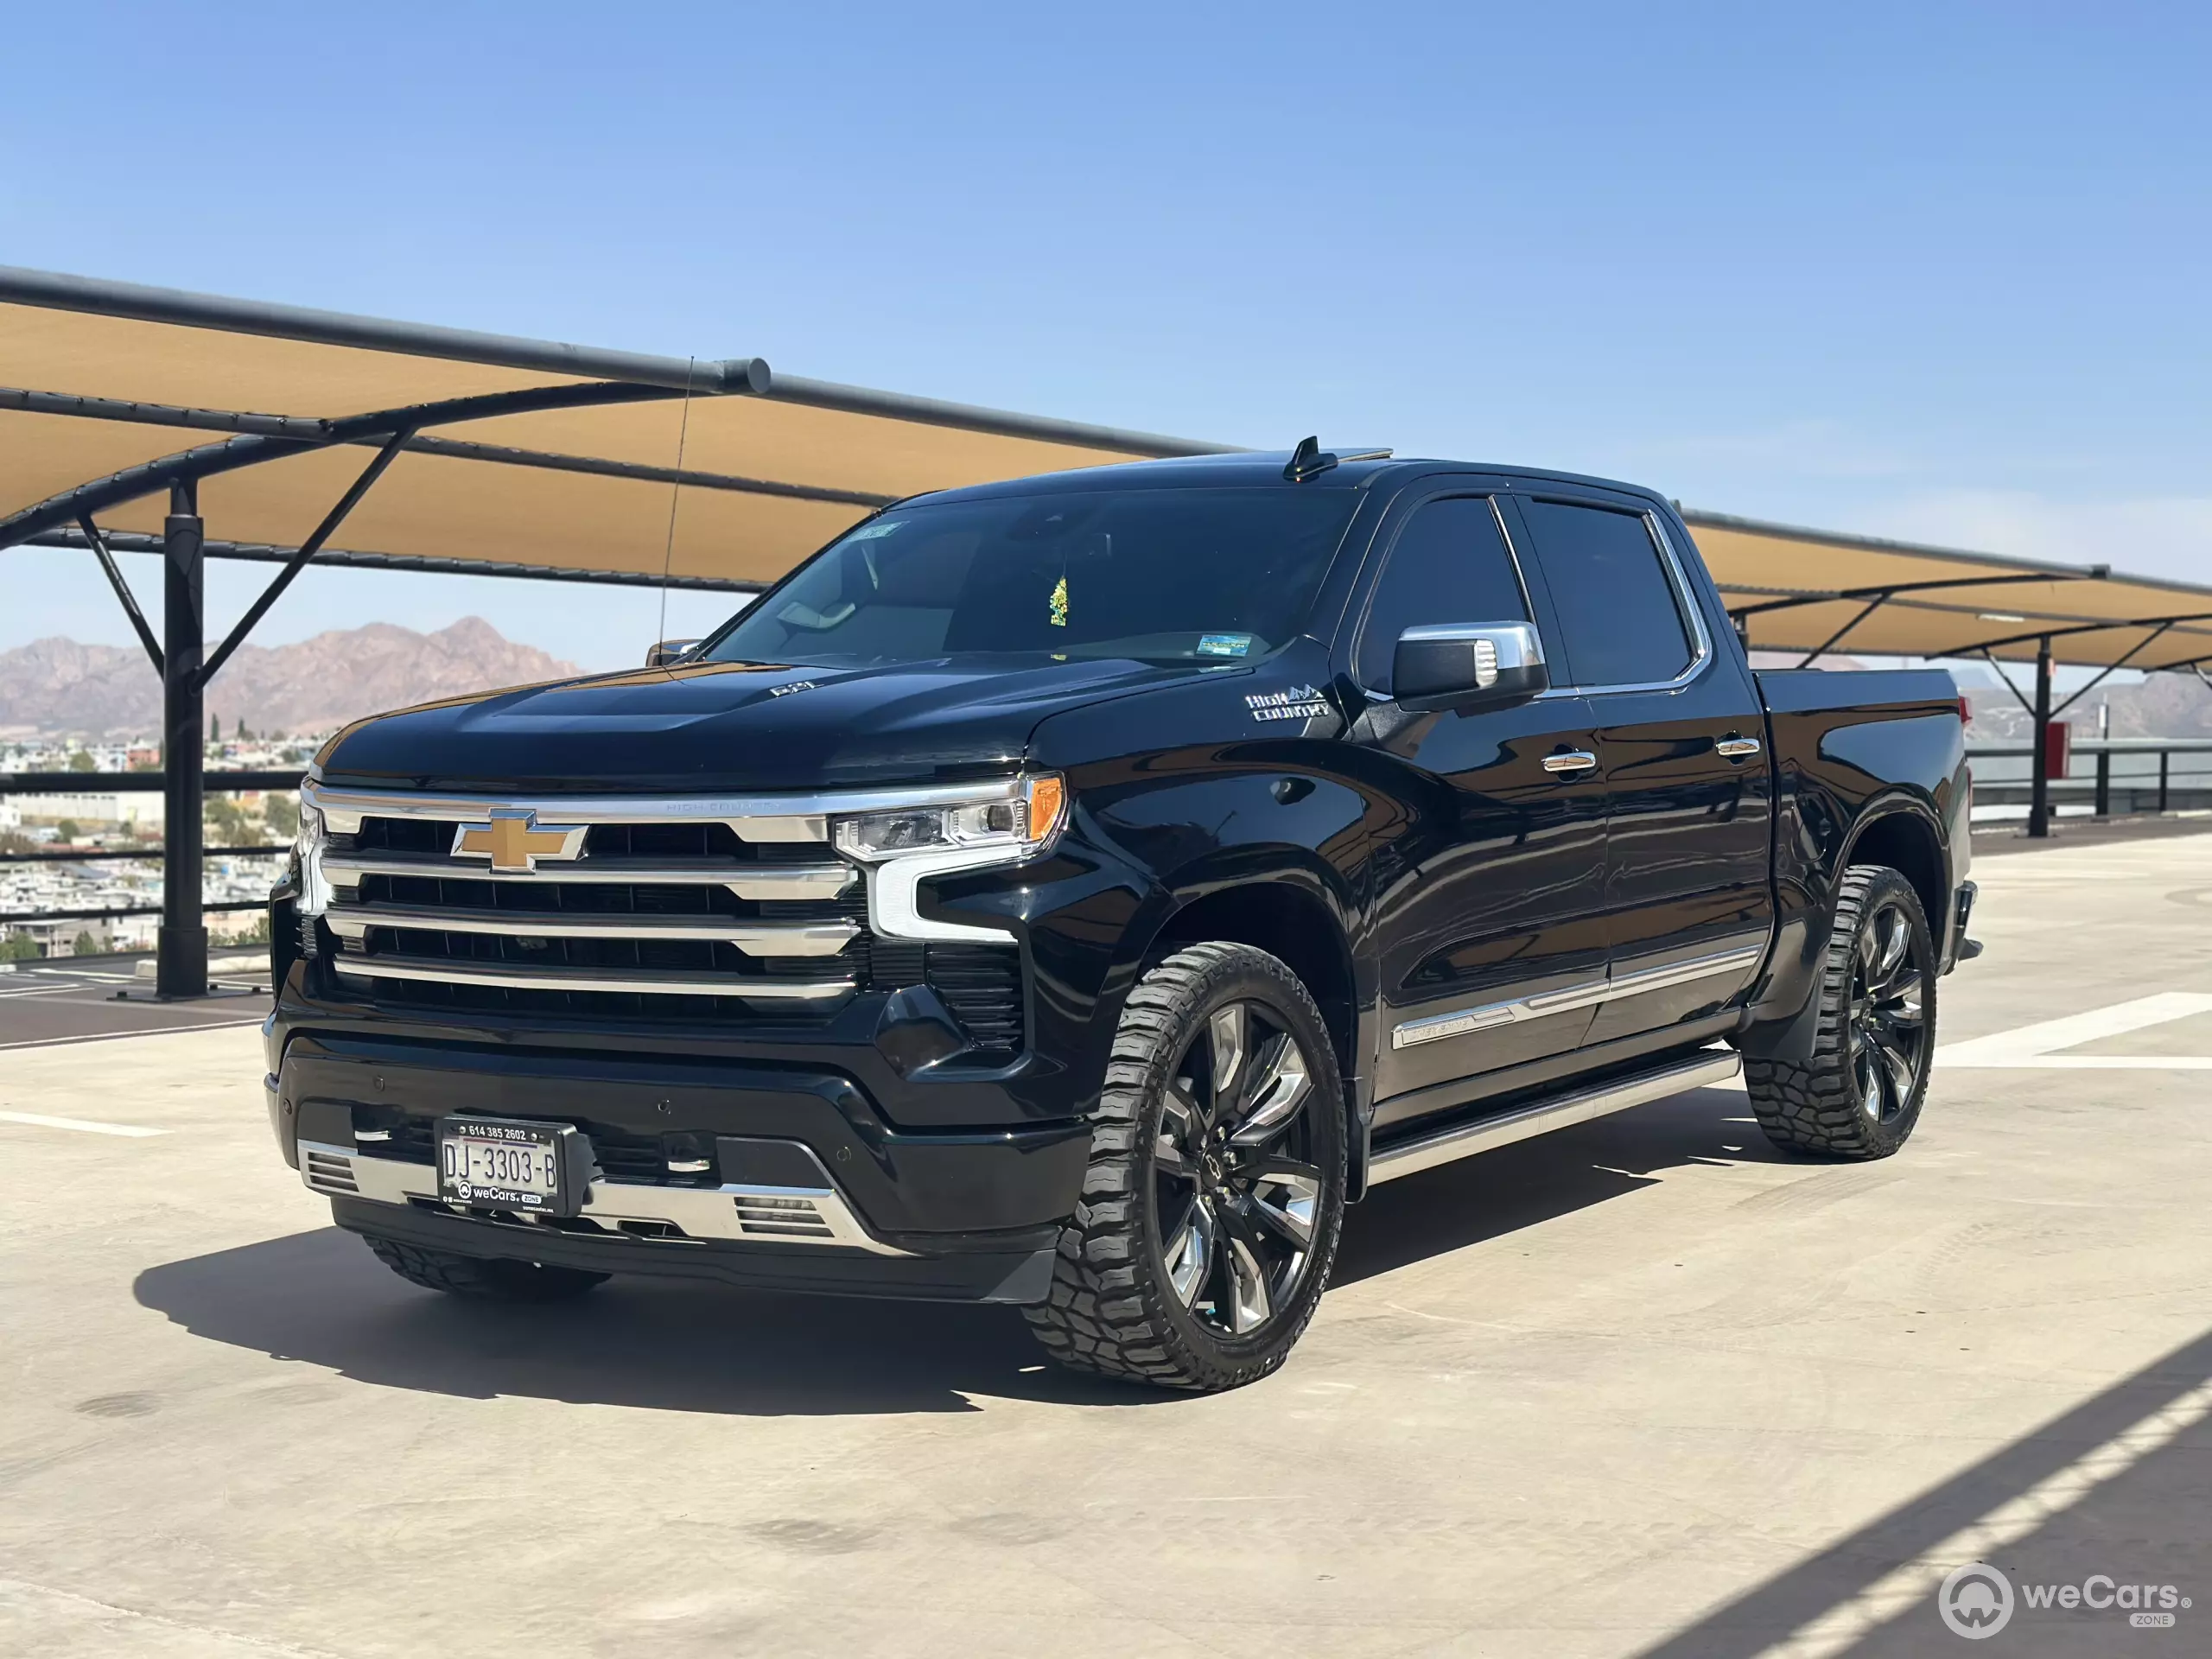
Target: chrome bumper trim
[754, 939]
[746, 881]
[1707, 1066]
[558, 979]
[1436, 1027]
[759, 1215]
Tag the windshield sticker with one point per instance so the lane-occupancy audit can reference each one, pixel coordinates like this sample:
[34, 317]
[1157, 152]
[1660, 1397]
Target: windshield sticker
[881, 527]
[1299, 702]
[1059, 607]
[1223, 645]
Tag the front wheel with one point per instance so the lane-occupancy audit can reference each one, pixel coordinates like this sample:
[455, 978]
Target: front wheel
[1211, 1208]
[1858, 1095]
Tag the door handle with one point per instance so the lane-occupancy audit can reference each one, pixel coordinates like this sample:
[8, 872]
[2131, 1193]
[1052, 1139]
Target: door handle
[1571, 761]
[1737, 748]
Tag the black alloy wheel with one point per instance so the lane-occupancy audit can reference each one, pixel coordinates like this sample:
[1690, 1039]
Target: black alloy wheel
[1214, 1197]
[1889, 1020]
[1857, 1092]
[1237, 1192]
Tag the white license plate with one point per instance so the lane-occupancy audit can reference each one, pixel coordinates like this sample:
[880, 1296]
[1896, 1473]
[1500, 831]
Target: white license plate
[501, 1165]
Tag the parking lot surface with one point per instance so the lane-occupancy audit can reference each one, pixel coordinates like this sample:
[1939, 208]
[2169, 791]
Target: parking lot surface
[1643, 1387]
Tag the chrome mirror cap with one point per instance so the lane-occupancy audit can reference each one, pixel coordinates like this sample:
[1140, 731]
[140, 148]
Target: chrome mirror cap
[1468, 664]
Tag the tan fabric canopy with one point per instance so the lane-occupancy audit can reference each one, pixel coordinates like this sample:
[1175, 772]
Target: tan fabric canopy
[530, 457]
[1808, 590]
[577, 470]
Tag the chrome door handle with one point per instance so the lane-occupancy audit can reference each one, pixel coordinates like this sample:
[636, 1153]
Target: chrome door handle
[1736, 748]
[1573, 760]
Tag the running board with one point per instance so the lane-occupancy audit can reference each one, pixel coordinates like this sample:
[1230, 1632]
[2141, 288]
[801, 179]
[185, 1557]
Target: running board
[1465, 1139]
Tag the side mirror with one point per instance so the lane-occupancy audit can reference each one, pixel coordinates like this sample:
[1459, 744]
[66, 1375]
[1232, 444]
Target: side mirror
[1469, 665]
[669, 650]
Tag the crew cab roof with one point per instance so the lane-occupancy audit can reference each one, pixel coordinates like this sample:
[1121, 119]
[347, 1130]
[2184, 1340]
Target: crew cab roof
[1261, 469]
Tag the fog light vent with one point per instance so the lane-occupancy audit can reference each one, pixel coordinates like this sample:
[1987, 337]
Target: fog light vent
[331, 1172]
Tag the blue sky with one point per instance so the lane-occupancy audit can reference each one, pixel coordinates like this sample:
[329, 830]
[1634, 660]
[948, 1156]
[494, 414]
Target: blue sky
[1929, 271]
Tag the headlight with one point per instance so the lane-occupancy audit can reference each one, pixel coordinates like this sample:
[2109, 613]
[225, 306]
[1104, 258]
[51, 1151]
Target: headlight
[309, 847]
[905, 846]
[1016, 827]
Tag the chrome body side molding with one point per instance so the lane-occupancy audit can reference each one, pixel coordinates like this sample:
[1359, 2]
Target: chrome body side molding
[1465, 1139]
[1436, 1027]
[763, 1214]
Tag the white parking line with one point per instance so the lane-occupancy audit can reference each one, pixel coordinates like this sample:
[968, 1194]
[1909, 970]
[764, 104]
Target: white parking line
[2036, 1046]
[38, 1120]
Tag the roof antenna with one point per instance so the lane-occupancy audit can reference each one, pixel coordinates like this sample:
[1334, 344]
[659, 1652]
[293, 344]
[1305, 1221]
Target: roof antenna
[1308, 461]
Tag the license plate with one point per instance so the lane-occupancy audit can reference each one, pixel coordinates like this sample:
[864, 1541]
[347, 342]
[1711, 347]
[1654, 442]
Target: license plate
[501, 1164]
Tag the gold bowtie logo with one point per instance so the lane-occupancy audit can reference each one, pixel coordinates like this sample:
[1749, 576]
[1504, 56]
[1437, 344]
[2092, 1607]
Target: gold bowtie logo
[514, 841]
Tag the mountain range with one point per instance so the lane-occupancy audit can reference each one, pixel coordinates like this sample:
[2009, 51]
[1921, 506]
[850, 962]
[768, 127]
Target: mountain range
[56, 688]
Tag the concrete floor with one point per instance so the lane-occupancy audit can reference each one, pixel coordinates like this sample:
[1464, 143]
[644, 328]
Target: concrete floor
[1642, 1388]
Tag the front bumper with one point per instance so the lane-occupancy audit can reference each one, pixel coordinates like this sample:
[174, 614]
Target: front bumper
[791, 1180]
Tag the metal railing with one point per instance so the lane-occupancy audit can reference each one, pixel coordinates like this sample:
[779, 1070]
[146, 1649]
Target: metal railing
[135, 782]
[2118, 776]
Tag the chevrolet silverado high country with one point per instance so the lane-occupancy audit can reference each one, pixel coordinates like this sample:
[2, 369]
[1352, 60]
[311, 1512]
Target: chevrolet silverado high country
[1073, 892]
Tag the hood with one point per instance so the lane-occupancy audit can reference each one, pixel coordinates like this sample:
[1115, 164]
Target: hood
[737, 726]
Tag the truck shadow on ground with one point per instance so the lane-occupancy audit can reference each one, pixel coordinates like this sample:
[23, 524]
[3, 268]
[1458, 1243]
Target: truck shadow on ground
[318, 1298]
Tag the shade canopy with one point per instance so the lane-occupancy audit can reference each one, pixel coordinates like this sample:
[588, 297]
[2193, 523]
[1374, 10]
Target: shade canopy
[512, 453]
[490, 452]
[1811, 590]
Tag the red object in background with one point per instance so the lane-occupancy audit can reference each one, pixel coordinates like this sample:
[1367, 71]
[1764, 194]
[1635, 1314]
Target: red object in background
[1966, 712]
[2058, 747]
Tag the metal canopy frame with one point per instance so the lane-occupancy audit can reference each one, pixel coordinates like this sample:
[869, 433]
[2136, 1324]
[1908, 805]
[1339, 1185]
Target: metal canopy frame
[242, 438]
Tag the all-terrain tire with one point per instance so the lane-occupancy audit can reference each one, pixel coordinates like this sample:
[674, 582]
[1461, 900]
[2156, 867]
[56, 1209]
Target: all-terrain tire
[1112, 1309]
[1816, 1106]
[486, 1277]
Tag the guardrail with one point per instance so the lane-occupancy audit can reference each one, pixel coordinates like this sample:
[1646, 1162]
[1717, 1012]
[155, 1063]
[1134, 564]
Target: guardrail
[2119, 776]
[134, 783]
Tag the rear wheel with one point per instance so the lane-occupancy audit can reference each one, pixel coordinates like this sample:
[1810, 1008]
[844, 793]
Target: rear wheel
[488, 1278]
[1211, 1207]
[1858, 1095]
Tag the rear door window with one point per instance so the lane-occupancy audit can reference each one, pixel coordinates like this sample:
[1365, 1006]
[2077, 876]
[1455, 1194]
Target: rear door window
[1619, 610]
[1450, 564]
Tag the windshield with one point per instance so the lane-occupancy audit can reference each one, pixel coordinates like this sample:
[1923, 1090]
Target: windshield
[1174, 575]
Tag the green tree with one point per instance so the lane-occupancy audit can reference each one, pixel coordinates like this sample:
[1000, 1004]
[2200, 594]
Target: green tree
[19, 947]
[281, 814]
[83, 761]
[242, 733]
[67, 829]
[214, 727]
[86, 946]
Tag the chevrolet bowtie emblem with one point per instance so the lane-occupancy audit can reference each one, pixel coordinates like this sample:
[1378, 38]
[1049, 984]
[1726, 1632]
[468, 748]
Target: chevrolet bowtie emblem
[514, 841]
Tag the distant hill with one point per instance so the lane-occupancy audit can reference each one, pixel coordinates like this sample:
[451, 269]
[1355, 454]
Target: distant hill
[57, 688]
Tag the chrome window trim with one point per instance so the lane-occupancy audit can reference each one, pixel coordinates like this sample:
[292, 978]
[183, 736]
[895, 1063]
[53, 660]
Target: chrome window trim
[1460, 1022]
[1693, 613]
[731, 1213]
[754, 817]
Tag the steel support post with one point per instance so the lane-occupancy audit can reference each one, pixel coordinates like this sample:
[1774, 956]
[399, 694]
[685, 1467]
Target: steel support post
[180, 962]
[2039, 790]
[2165, 755]
[2104, 783]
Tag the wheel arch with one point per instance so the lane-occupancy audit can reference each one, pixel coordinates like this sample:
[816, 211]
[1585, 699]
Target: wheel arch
[1902, 833]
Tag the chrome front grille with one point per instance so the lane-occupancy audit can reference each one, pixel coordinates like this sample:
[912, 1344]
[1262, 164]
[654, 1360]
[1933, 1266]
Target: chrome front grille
[671, 909]
[665, 901]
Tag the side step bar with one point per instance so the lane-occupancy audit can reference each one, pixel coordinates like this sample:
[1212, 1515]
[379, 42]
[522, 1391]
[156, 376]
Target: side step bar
[1465, 1139]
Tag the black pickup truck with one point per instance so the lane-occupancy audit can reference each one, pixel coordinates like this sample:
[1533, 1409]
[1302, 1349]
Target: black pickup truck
[1074, 891]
